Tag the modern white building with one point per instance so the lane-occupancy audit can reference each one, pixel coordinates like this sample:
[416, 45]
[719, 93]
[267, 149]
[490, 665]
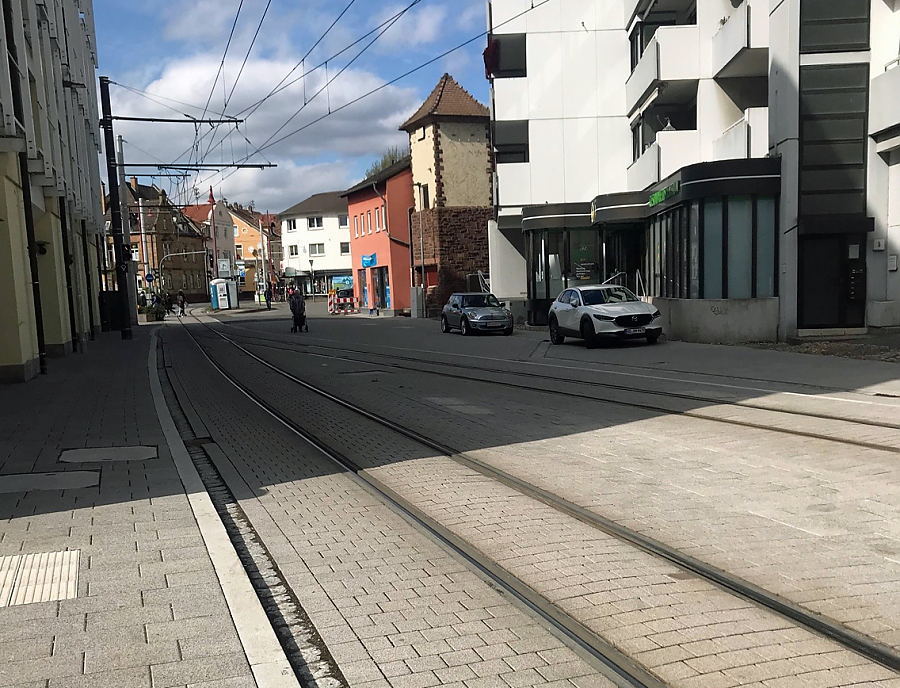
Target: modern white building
[315, 236]
[734, 160]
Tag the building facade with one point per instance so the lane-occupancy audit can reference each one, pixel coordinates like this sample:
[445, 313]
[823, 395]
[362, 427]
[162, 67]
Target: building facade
[316, 243]
[450, 149]
[51, 245]
[165, 244]
[254, 263]
[706, 153]
[380, 209]
[220, 232]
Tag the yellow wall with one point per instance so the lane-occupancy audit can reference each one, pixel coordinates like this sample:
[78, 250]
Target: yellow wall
[52, 272]
[465, 175]
[422, 151]
[18, 337]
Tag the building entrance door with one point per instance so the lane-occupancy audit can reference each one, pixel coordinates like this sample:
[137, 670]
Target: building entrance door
[382, 288]
[832, 281]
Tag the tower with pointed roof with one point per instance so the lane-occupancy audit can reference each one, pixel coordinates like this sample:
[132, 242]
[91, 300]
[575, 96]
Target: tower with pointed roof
[449, 142]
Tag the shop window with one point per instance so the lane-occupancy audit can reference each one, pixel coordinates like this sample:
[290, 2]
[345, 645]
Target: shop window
[712, 249]
[740, 247]
[584, 256]
[511, 141]
[694, 214]
[539, 283]
[766, 218]
[555, 262]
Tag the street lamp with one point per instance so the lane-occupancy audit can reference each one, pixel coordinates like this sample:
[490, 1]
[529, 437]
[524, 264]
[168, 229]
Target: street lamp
[312, 280]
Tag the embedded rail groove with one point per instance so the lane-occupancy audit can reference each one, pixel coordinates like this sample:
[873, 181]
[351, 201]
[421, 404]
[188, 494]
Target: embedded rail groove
[615, 664]
[605, 385]
[820, 624]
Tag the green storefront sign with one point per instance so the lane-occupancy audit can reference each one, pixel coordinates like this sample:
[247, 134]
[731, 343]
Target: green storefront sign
[665, 194]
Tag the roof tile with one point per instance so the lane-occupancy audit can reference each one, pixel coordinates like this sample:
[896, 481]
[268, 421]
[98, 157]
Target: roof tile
[448, 99]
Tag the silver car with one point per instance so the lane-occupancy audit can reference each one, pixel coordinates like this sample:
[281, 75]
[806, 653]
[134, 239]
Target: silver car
[476, 312]
[591, 313]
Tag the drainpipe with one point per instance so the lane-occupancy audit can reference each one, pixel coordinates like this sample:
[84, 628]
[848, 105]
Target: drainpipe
[32, 260]
[87, 278]
[67, 259]
[412, 267]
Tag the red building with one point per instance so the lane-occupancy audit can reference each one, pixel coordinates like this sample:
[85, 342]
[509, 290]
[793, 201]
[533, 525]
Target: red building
[379, 208]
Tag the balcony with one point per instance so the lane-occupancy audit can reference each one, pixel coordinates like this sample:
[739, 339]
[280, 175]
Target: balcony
[884, 114]
[673, 58]
[671, 151]
[655, 10]
[741, 47]
[746, 138]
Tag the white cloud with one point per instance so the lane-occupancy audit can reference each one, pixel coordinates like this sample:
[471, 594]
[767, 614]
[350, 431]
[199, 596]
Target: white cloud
[327, 155]
[416, 28]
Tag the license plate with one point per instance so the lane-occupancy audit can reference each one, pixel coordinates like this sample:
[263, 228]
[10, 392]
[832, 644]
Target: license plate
[636, 330]
[495, 324]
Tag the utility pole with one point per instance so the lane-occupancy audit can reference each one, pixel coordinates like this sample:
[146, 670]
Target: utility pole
[126, 233]
[212, 229]
[115, 208]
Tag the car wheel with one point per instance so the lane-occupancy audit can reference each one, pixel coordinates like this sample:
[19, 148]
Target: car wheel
[651, 338]
[508, 331]
[445, 326]
[555, 336]
[587, 334]
[464, 328]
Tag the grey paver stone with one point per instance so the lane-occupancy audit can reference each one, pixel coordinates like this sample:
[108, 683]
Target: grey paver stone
[198, 670]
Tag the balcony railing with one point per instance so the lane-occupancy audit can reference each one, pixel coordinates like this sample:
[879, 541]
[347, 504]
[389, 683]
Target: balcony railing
[671, 151]
[883, 98]
[672, 55]
[745, 30]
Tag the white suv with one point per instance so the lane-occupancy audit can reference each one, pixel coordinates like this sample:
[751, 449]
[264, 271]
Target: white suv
[590, 313]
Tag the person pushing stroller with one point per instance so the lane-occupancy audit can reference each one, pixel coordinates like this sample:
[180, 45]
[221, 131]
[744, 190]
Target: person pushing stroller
[298, 310]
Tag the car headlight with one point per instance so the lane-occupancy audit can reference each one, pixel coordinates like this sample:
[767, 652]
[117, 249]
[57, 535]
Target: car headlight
[656, 315]
[472, 315]
[603, 318]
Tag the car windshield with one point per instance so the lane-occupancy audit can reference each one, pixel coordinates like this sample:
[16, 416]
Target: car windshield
[480, 301]
[598, 297]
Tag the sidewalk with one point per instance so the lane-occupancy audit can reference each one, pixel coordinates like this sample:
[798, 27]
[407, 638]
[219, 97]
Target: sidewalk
[133, 599]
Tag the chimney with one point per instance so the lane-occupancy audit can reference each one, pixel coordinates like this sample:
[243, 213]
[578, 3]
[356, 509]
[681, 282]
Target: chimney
[134, 184]
[103, 197]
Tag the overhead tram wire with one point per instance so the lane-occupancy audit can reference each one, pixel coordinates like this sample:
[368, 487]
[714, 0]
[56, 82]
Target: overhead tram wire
[385, 27]
[282, 85]
[444, 54]
[238, 77]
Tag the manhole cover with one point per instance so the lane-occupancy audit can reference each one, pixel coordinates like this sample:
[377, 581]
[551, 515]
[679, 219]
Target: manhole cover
[107, 454]
[41, 577]
[67, 480]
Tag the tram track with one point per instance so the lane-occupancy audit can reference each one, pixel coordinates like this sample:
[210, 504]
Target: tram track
[575, 389]
[819, 624]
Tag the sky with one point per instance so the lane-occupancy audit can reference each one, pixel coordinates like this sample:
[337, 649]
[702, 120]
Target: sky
[174, 50]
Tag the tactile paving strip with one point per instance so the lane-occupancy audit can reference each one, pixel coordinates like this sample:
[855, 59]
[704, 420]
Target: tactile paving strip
[41, 577]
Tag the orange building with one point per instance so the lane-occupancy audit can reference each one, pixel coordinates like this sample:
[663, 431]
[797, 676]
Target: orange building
[379, 208]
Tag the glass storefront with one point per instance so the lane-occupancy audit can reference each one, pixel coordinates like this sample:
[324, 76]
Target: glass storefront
[562, 258]
[713, 248]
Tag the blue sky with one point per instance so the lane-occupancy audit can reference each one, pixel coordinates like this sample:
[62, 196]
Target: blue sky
[173, 50]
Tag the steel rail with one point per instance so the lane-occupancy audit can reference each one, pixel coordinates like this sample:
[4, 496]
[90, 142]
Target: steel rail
[857, 642]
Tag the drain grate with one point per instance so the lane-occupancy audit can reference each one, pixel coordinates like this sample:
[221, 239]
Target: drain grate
[41, 577]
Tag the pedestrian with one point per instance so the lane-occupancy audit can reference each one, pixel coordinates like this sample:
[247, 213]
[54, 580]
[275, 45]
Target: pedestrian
[298, 311]
[182, 302]
[268, 297]
[169, 303]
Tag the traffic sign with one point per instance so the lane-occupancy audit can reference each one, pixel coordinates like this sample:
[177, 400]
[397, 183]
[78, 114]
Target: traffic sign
[149, 278]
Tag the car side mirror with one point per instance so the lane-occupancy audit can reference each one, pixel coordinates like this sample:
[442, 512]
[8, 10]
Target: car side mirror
[455, 306]
[503, 304]
[574, 303]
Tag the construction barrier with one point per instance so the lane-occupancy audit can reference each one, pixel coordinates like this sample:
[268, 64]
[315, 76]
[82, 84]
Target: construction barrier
[341, 306]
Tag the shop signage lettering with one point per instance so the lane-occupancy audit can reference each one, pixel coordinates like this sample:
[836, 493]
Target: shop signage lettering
[370, 261]
[672, 189]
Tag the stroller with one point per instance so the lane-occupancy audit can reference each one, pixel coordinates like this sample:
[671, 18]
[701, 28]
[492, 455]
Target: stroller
[298, 311]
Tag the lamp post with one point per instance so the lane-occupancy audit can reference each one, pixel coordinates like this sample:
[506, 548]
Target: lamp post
[312, 280]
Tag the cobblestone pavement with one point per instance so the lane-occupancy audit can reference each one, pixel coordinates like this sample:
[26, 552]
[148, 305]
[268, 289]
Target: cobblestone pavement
[686, 631]
[149, 608]
[809, 519]
[394, 608]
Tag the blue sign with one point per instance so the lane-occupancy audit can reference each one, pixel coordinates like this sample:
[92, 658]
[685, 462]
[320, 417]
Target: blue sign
[149, 278]
[370, 261]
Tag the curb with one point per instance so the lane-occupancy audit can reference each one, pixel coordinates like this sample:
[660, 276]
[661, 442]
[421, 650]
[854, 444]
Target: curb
[265, 655]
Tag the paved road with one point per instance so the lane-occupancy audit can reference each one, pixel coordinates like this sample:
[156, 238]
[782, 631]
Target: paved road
[808, 519]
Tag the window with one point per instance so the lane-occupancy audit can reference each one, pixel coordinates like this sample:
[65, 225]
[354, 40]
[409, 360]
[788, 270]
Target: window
[239, 251]
[377, 219]
[317, 249]
[234, 227]
[291, 225]
[135, 253]
[343, 221]
[740, 247]
[356, 225]
[766, 220]
[293, 250]
[314, 222]
[506, 56]
[424, 197]
[712, 250]
[369, 220]
[345, 248]
[511, 141]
